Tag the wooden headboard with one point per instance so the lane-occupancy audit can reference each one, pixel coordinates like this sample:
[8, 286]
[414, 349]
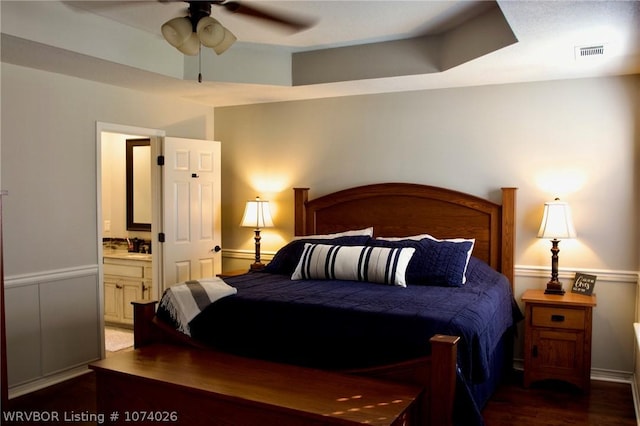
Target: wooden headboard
[403, 209]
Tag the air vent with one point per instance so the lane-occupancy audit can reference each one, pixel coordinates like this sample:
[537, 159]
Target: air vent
[589, 51]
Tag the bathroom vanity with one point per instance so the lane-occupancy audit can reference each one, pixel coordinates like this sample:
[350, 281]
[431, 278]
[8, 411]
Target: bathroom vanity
[127, 277]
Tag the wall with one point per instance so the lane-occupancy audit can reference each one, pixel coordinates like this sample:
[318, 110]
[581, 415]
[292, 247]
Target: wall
[472, 139]
[575, 139]
[48, 140]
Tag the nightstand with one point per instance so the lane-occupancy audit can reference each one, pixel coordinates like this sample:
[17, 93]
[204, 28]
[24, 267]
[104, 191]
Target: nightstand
[557, 337]
[233, 273]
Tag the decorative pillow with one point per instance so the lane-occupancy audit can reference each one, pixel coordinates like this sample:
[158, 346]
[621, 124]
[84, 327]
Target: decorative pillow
[285, 260]
[434, 262]
[357, 263]
[452, 240]
[460, 241]
[366, 231]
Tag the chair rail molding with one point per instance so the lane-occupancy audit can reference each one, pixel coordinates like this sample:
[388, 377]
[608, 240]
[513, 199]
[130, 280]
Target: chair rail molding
[49, 276]
[608, 275]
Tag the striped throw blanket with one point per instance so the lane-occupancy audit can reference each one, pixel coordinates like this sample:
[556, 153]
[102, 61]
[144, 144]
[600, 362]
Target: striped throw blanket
[186, 300]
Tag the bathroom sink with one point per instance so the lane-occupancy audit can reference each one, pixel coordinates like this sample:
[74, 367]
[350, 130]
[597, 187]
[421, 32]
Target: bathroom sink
[128, 255]
[143, 256]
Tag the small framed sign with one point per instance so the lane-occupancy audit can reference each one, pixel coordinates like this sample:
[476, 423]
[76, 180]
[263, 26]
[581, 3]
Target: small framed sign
[583, 284]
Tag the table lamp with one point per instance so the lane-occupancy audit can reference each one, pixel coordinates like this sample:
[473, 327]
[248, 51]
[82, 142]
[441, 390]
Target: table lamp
[556, 225]
[257, 215]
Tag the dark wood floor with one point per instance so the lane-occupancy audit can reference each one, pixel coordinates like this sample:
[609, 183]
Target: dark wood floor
[545, 404]
[552, 403]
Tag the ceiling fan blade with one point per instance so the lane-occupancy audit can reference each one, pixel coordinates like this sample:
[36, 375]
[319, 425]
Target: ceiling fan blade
[295, 23]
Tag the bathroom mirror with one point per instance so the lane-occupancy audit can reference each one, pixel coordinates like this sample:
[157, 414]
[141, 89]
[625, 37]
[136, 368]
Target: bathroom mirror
[138, 165]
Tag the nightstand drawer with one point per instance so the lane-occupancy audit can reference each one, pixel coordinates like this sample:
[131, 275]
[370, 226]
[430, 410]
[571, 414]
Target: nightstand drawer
[543, 316]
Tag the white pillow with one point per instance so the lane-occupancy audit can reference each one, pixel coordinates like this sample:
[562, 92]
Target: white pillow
[366, 231]
[358, 263]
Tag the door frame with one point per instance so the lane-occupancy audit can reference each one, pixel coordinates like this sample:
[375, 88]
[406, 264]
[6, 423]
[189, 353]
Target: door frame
[156, 136]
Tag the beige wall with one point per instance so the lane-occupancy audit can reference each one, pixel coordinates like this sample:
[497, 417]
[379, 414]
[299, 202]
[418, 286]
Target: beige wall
[576, 139]
[49, 159]
[472, 139]
[48, 140]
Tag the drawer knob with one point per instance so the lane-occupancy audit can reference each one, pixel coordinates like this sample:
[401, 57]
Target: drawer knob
[557, 318]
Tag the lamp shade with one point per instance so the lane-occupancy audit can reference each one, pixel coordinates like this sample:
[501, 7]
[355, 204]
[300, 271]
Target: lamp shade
[186, 35]
[210, 31]
[177, 31]
[257, 215]
[190, 47]
[226, 42]
[557, 221]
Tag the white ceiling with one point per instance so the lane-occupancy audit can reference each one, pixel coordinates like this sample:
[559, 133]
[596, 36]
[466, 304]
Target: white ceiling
[337, 22]
[547, 34]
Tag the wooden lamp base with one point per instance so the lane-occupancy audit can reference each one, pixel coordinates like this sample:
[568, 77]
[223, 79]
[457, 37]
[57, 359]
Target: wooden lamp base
[554, 286]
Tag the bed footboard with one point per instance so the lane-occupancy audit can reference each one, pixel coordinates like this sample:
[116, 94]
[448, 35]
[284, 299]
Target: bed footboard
[436, 373]
[442, 384]
[144, 332]
[149, 330]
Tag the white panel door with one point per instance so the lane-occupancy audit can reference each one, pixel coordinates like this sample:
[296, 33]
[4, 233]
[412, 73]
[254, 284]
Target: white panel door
[191, 217]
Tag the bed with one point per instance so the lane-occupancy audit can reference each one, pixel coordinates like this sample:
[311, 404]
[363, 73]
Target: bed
[449, 332]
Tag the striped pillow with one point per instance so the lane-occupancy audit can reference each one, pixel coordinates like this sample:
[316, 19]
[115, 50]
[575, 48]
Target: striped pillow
[357, 263]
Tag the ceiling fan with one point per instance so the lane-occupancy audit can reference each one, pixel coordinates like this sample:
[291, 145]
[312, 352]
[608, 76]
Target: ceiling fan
[187, 33]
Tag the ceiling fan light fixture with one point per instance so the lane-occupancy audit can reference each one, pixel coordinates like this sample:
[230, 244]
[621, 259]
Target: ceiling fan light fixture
[187, 33]
[177, 31]
[226, 42]
[210, 31]
[190, 47]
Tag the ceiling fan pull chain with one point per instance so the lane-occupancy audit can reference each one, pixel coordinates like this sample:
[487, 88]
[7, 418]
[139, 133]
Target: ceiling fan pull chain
[200, 65]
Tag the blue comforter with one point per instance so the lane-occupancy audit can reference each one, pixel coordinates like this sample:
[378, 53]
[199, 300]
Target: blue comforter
[348, 324]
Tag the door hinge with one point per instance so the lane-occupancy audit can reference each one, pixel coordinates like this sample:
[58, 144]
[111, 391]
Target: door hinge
[161, 237]
[160, 160]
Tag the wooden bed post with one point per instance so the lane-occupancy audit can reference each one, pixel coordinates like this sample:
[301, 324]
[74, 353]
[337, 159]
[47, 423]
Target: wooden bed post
[300, 213]
[144, 332]
[508, 234]
[444, 353]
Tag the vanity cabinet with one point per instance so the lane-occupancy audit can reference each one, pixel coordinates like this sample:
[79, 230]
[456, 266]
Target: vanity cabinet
[127, 277]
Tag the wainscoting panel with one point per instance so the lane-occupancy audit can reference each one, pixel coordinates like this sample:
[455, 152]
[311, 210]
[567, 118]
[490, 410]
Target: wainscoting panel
[233, 259]
[22, 310]
[69, 322]
[53, 323]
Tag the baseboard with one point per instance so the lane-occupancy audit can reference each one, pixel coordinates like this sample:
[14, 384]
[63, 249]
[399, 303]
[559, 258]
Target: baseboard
[634, 384]
[607, 376]
[596, 374]
[45, 382]
[636, 398]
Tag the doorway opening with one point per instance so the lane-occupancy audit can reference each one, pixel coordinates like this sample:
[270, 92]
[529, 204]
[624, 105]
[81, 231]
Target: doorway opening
[185, 210]
[127, 224]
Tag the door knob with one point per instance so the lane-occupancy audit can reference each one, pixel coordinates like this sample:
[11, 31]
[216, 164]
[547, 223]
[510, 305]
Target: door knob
[217, 249]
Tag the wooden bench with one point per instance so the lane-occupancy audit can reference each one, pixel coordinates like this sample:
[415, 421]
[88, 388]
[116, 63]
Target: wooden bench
[160, 383]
